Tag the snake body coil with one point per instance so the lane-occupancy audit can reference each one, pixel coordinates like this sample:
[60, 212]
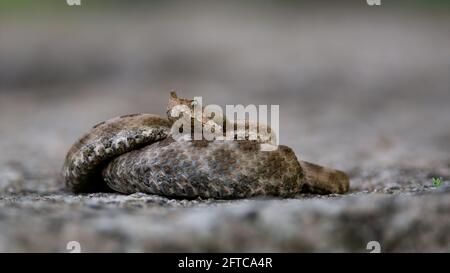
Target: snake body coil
[136, 153]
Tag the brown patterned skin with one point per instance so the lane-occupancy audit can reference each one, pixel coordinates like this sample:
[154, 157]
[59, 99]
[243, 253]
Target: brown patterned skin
[106, 140]
[135, 153]
[206, 169]
[322, 180]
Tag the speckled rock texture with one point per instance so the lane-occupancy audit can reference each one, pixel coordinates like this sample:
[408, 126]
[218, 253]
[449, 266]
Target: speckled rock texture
[361, 91]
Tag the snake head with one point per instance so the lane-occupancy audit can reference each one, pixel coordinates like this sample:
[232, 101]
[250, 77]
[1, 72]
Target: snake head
[178, 106]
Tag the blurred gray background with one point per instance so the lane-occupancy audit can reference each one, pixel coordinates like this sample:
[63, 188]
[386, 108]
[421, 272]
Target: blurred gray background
[364, 89]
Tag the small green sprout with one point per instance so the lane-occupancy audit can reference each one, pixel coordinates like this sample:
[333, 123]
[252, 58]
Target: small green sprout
[437, 182]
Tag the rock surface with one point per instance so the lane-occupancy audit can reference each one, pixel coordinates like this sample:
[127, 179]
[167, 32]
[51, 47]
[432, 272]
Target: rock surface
[368, 95]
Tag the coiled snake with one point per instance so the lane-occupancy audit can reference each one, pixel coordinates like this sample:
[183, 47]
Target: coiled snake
[137, 153]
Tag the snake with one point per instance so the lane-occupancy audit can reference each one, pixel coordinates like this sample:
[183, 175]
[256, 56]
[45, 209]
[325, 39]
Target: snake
[139, 153]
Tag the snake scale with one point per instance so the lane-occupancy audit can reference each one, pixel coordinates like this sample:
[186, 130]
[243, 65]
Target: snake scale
[137, 153]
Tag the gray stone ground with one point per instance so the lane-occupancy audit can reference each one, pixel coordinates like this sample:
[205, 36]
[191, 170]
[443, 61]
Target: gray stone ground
[361, 90]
